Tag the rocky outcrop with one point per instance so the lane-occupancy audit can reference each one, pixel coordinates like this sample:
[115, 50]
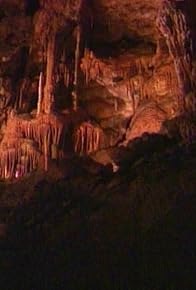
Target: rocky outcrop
[148, 118]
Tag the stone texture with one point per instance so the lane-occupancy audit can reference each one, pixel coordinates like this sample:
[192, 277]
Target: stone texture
[148, 118]
[116, 19]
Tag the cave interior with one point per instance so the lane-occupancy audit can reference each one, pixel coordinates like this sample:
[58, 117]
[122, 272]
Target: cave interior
[97, 144]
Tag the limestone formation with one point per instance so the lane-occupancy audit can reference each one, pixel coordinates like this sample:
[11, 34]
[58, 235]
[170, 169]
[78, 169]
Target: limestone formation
[80, 76]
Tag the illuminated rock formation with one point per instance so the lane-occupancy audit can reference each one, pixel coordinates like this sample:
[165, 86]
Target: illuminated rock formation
[90, 75]
[19, 155]
[87, 138]
[147, 119]
[173, 26]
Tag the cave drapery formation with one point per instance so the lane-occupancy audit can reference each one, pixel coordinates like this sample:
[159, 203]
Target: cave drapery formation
[72, 84]
[173, 26]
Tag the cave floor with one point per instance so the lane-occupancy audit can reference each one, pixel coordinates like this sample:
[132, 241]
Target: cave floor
[134, 229]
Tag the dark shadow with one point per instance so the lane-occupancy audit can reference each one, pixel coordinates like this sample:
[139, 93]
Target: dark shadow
[31, 7]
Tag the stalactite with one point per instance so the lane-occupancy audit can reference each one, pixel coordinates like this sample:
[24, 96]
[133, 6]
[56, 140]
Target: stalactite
[77, 56]
[135, 90]
[67, 77]
[139, 66]
[85, 66]
[131, 92]
[37, 128]
[131, 76]
[45, 131]
[115, 105]
[87, 138]
[49, 84]
[45, 154]
[21, 93]
[18, 160]
[63, 71]
[39, 102]
[90, 66]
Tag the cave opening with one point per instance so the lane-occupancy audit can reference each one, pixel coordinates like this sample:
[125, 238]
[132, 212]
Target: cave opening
[2, 14]
[126, 44]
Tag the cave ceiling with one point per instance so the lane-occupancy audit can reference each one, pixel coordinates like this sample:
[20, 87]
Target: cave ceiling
[117, 19]
[110, 21]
